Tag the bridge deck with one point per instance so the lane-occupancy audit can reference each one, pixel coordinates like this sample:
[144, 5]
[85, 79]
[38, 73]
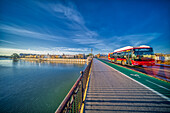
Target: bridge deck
[110, 91]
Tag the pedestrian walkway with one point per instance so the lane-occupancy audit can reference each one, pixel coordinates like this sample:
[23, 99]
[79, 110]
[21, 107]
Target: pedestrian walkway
[111, 91]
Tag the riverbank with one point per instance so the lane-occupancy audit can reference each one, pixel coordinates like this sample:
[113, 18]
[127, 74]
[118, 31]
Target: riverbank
[55, 59]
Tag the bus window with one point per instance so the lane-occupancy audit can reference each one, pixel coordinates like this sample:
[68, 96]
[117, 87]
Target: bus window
[111, 56]
[143, 54]
[130, 54]
[115, 55]
[118, 55]
[122, 55]
[125, 54]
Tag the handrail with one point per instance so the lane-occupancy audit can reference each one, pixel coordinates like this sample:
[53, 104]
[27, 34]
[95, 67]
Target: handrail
[67, 98]
[74, 98]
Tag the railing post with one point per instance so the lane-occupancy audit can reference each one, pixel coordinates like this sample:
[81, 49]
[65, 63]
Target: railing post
[74, 104]
[74, 99]
[82, 84]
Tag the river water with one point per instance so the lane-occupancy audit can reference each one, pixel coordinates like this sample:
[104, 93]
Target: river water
[35, 87]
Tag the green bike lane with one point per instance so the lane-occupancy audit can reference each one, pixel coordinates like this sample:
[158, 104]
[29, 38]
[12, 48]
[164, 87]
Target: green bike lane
[162, 88]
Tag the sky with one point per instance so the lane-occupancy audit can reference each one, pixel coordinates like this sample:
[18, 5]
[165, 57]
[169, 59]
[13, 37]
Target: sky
[76, 26]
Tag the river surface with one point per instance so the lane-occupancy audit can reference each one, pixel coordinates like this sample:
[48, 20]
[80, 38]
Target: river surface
[35, 87]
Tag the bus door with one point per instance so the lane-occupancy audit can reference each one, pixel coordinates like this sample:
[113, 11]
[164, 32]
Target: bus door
[111, 57]
[115, 55]
[128, 57]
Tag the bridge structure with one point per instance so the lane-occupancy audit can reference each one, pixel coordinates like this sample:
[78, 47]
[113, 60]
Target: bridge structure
[112, 88]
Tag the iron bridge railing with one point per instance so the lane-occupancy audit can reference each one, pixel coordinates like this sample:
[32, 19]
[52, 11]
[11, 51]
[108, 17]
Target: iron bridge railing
[74, 99]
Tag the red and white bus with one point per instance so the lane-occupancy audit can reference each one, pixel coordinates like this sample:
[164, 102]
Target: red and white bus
[141, 55]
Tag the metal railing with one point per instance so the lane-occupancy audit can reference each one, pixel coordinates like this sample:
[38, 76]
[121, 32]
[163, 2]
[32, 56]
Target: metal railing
[74, 99]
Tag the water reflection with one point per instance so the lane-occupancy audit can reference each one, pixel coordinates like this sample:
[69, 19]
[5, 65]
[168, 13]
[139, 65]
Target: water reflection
[51, 63]
[34, 86]
[15, 61]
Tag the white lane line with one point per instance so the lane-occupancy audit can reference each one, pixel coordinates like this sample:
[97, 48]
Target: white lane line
[165, 97]
[136, 75]
[158, 85]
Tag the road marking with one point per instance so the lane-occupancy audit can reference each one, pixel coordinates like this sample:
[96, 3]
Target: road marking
[163, 96]
[136, 75]
[158, 85]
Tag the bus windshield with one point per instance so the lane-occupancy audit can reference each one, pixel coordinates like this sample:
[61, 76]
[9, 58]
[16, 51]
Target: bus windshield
[143, 54]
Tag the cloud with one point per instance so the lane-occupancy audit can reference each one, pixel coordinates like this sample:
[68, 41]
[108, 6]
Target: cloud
[90, 41]
[133, 39]
[70, 13]
[56, 50]
[67, 49]
[63, 11]
[138, 39]
[9, 42]
[28, 33]
[69, 26]
[10, 51]
[70, 16]
[63, 22]
[116, 42]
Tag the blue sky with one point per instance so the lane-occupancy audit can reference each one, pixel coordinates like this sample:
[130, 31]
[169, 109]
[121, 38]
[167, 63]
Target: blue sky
[72, 27]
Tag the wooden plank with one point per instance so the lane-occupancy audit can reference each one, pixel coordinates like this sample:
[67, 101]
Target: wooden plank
[110, 91]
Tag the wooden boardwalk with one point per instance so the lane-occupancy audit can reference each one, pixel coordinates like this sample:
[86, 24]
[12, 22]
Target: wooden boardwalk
[109, 91]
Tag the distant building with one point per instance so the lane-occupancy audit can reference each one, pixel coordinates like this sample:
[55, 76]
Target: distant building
[81, 56]
[162, 57]
[52, 56]
[97, 56]
[101, 55]
[69, 56]
[22, 55]
[42, 56]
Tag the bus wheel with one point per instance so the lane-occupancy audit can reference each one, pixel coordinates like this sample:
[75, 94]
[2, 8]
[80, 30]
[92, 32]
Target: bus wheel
[115, 61]
[123, 63]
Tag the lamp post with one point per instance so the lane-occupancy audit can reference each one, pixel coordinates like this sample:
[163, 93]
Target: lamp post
[91, 52]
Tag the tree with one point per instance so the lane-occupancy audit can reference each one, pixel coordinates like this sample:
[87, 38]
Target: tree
[90, 54]
[14, 56]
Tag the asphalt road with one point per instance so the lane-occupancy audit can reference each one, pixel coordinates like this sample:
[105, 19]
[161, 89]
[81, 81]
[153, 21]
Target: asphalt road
[112, 91]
